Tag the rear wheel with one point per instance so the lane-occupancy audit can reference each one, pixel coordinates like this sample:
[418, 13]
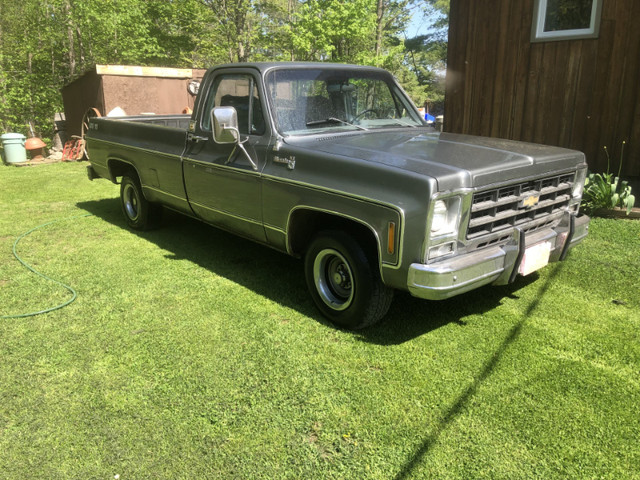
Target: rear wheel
[89, 114]
[344, 284]
[139, 213]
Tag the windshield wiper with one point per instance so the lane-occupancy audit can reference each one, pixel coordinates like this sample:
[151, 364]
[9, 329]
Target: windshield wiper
[334, 120]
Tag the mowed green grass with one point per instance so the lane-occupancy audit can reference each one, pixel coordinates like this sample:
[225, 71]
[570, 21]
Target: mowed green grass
[190, 353]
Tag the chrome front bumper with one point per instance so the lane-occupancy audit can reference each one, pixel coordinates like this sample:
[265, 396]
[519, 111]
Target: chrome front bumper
[497, 265]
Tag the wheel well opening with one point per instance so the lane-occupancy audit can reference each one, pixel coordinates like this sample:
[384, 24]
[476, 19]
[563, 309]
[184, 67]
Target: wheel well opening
[118, 168]
[305, 224]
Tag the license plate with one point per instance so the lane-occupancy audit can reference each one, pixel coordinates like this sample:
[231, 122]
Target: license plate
[535, 257]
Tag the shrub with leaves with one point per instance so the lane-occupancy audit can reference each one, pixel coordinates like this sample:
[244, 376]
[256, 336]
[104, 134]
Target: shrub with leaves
[604, 190]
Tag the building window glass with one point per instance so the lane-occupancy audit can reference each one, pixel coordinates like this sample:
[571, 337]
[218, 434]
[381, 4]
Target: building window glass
[565, 19]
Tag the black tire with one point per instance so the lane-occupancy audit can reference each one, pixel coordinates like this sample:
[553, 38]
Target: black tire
[139, 213]
[344, 283]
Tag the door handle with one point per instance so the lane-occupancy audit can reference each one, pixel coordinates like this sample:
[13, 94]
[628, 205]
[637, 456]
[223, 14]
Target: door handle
[196, 138]
[290, 162]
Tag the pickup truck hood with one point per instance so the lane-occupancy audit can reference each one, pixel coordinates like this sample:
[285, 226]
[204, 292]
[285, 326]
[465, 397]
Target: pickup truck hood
[453, 160]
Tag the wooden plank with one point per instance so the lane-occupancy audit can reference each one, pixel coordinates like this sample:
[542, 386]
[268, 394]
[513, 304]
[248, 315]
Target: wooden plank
[613, 83]
[136, 71]
[456, 69]
[563, 93]
[584, 88]
[552, 114]
[547, 111]
[502, 88]
[511, 66]
[475, 62]
[524, 10]
[465, 68]
[486, 36]
[466, 50]
[570, 95]
[593, 140]
[536, 97]
[533, 86]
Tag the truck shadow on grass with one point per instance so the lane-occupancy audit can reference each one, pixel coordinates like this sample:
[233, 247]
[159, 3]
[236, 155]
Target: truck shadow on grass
[280, 278]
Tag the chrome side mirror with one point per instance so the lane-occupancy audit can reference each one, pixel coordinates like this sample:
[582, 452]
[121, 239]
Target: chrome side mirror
[225, 125]
[224, 121]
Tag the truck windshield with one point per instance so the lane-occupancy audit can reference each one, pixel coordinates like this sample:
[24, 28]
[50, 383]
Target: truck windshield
[316, 100]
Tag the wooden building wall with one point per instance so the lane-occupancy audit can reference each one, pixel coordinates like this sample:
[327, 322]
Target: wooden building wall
[581, 94]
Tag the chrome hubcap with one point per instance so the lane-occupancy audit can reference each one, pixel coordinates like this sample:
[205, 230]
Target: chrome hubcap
[131, 202]
[333, 279]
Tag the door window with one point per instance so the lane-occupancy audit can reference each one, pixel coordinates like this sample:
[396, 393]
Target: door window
[241, 92]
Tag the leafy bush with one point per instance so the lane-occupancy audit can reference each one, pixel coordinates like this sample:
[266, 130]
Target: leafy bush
[603, 190]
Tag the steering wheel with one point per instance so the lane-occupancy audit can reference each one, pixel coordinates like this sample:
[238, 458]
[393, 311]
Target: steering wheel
[364, 112]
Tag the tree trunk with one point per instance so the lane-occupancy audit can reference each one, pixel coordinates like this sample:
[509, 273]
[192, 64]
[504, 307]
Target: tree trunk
[72, 53]
[291, 10]
[80, 46]
[243, 30]
[380, 15]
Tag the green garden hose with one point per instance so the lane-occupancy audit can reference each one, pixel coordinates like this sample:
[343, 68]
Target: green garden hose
[74, 295]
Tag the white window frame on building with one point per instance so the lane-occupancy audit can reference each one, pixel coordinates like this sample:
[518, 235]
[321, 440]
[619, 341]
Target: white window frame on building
[538, 34]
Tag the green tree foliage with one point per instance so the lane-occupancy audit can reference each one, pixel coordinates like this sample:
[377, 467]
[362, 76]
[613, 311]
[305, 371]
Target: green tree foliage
[425, 58]
[31, 64]
[425, 64]
[45, 44]
[335, 30]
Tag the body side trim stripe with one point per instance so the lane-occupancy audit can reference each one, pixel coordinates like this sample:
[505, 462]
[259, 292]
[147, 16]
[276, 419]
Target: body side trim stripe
[227, 214]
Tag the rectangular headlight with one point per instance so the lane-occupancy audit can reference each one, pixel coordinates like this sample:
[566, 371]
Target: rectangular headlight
[443, 227]
[578, 184]
[445, 218]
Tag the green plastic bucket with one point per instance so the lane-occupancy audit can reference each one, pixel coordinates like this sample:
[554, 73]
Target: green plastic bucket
[13, 146]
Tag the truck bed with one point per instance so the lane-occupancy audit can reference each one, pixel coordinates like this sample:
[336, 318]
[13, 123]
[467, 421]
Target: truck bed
[152, 144]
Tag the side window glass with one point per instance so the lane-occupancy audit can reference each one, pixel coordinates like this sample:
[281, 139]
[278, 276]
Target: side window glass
[240, 92]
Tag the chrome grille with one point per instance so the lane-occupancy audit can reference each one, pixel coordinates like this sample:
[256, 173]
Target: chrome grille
[515, 205]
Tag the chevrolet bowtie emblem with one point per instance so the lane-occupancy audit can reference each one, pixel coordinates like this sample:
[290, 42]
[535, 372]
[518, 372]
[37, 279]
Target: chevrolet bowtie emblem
[530, 201]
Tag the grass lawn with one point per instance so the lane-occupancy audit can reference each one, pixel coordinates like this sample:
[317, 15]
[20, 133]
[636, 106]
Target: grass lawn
[192, 354]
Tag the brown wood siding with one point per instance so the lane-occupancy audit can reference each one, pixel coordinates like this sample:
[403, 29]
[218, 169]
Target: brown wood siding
[581, 94]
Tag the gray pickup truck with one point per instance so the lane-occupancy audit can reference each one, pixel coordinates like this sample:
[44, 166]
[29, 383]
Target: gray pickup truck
[333, 164]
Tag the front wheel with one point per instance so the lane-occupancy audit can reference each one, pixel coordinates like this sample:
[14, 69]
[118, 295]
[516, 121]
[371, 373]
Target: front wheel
[139, 213]
[343, 283]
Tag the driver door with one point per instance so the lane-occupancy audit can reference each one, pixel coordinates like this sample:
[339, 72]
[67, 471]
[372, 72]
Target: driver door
[223, 186]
